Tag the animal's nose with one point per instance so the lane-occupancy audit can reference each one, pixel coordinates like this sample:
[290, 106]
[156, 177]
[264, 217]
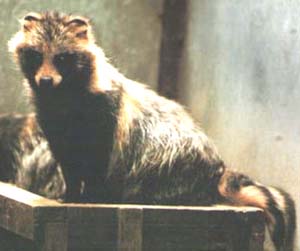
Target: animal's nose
[46, 81]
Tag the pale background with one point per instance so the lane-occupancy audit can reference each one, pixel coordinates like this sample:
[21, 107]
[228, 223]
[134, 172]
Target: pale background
[239, 74]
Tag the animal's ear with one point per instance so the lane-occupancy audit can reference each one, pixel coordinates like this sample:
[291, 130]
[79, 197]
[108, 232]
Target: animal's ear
[79, 25]
[29, 20]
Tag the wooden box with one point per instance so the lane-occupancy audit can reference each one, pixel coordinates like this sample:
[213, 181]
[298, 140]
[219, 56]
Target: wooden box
[29, 222]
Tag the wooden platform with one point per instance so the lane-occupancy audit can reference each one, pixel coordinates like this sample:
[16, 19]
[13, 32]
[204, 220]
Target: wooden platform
[29, 222]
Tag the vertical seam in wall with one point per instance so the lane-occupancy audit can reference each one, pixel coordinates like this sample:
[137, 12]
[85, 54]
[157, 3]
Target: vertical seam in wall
[174, 20]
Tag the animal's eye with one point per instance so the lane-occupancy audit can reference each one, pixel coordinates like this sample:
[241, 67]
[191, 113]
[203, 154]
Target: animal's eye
[64, 58]
[32, 56]
[61, 58]
[31, 59]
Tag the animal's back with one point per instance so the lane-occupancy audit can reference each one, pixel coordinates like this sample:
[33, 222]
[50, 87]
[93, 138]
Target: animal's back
[160, 147]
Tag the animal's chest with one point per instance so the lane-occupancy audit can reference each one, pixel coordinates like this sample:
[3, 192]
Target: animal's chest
[80, 138]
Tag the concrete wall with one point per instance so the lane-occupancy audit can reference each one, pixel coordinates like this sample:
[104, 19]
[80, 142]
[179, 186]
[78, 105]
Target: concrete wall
[129, 32]
[240, 76]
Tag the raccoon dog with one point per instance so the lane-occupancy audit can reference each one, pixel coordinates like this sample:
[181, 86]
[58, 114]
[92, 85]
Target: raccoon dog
[118, 141]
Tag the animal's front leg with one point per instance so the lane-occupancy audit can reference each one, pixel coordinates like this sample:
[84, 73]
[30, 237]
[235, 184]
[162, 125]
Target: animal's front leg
[95, 190]
[73, 186]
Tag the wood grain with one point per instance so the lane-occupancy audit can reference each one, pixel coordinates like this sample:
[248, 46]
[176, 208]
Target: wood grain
[35, 223]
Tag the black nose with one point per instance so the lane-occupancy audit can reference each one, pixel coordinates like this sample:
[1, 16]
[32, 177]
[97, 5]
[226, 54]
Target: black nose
[46, 81]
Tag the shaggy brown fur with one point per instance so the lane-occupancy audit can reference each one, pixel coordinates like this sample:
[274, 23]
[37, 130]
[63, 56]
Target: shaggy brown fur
[121, 142]
[25, 158]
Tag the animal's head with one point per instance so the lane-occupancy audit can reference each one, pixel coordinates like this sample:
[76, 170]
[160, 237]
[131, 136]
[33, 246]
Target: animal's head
[55, 50]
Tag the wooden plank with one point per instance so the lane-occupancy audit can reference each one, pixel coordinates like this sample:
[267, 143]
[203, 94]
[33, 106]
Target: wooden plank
[130, 229]
[185, 229]
[17, 210]
[22, 196]
[92, 227]
[12, 242]
[16, 217]
[55, 237]
[244, 229]
[257, 236]
[49, 225]
[221, 228]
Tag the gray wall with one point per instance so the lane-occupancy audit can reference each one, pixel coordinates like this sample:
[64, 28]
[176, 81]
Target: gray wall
[240, 75]
[239, 72]
[129, 32]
